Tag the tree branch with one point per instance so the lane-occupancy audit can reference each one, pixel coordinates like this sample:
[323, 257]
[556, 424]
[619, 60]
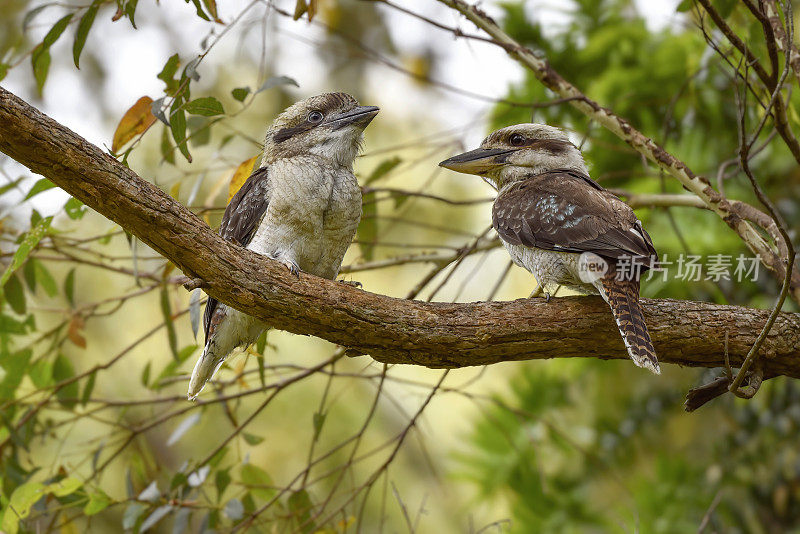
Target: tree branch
[390, 330]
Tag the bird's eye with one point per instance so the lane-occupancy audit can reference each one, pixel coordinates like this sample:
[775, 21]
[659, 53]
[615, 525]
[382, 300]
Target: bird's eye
[315, 116]
[516, 139]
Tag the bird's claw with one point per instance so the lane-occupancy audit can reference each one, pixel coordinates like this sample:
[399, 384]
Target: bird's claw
[293, 268]
[289, 264]
[353, 283]
[547, 296]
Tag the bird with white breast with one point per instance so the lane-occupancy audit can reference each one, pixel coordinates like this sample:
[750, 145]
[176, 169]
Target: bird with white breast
[301, 207]
[563, 227]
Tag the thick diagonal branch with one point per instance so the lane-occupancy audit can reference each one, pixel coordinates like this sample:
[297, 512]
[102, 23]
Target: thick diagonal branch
[389, 329]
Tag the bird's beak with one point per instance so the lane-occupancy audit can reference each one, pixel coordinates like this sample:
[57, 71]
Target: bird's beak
[360, 116]
[478, 161]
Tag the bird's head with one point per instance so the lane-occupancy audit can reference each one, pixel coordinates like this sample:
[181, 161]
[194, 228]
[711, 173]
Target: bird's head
[516, 152]
[329, 125]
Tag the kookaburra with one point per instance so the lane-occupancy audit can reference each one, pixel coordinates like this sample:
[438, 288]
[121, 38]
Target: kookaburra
[559, 224]
[301, 207]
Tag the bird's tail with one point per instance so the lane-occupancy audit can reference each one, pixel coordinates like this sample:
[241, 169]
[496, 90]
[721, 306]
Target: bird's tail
[204, 369]
[623, 299]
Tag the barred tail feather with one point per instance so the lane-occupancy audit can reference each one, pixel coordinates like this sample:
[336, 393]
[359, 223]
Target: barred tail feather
[623, 299]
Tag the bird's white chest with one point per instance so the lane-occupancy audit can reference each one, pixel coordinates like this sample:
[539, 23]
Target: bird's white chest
[550, 268]
[313, 212]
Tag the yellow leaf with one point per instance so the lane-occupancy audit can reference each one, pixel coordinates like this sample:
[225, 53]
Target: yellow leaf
[175, 190]
[211, 5]
[299, 8]
[74, 331]
[240, 176]
[135, 121]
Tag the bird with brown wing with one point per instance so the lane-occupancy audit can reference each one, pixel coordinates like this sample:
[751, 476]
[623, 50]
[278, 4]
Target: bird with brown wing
[562, 226]
[301, 207]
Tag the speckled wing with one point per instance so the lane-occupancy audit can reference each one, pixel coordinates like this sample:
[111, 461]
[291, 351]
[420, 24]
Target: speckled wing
[566, 211]
[240, 221]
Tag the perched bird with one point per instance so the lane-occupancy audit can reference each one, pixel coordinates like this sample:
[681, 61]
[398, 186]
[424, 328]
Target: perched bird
[562, 226]
[301, 208]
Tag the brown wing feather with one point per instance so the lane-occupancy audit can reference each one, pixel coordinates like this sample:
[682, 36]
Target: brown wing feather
[566, 211]
[240, 221]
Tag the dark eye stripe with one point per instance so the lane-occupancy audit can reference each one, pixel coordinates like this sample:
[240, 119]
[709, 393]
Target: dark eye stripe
[287, 133]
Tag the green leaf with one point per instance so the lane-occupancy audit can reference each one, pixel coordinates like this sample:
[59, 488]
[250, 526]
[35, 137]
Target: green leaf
[14, 184]
[300, 504]
[383, 168]
[221, 481]
[199, 8]
[130, 11]
[258, 481]
[12, 326]
[56, 31]
[29, 273]
[684, 6]
[145, 378]
[186, 351]
[167, 150]
[63, 370]
[318, 420]
[40, 58]
[41, 373]
[98, 501]
[64, 487]
[167, 74]
[69, 287]
[200, 130]
[87, 389]
[30, 15]
[41, 185]
[15, 295]
[166, 312]
[240, 93]
[3, 70]
[177, 123]
[14, 365]
[252, 439]
[28, 243]
[44, 278]
[19, 505]
[84, 25]
[275, 81]
[207, 106]
[75, 209]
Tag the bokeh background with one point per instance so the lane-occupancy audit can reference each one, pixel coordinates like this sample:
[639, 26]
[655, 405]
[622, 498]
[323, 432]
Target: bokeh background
[97, 335]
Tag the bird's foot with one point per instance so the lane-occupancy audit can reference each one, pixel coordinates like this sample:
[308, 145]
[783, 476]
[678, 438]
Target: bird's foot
[289, 264]
[353, 283]
[547, 296]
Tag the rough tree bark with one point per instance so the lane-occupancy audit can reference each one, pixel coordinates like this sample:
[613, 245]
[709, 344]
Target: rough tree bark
[390, 330]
